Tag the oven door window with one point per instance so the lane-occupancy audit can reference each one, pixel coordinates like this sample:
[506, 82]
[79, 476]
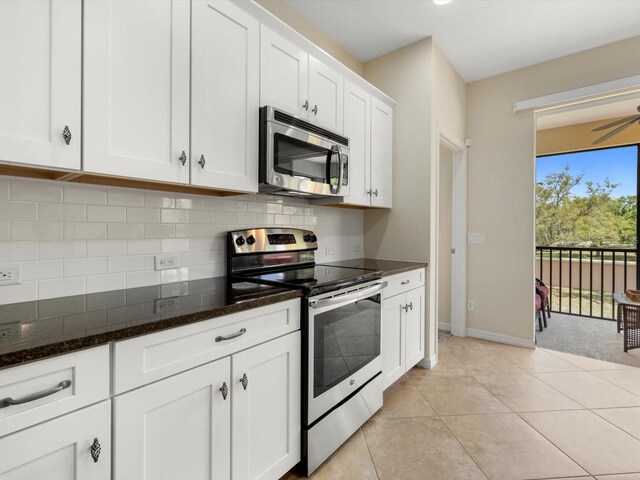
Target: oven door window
[296, 158]
[345, 339]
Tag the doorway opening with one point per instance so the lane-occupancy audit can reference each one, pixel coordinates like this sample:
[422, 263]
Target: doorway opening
[586, 226]
[450, 239]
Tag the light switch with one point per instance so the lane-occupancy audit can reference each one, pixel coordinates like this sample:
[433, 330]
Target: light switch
[475, 238]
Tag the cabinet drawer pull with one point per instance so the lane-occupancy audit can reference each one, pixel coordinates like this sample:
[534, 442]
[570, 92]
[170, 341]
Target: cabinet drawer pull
[406, 282]
[95, 450]
[7, 402]
[183, 158]
[220, 338]
[66, 134]
[244, 381]
[224, 390]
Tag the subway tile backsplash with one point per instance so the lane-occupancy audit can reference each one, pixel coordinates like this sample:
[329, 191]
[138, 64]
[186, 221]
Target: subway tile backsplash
[71, 239]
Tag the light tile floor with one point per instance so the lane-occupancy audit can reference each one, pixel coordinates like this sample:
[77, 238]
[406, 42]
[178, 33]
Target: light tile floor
[493, 411]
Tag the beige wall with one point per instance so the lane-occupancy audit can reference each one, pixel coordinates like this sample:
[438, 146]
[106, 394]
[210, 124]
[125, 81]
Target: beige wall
[501, 179]
[405, 75]
[572, 138]
[290, 16]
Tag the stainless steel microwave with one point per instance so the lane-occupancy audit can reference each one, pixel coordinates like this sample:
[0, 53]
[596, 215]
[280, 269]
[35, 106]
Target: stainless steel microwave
[298, 158]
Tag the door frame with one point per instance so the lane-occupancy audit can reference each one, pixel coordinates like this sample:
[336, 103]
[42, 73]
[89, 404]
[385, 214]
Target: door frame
[459, 233]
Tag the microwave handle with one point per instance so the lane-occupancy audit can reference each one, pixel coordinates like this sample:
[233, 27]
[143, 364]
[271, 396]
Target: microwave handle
[336, 148]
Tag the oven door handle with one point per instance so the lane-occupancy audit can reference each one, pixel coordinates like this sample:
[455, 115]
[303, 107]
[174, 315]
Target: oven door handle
[360, 294]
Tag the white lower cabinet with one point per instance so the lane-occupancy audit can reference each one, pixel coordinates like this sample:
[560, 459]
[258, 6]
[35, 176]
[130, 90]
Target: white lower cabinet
[61, 449]
[237, 417]
[402, 332]
[265, 418]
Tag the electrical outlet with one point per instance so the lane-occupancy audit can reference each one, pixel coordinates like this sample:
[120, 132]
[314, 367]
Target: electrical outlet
[330, 250]
[9, 274]
[165, 262]
[471, 305]
[165, 305]
[9, 332]
[356, 247]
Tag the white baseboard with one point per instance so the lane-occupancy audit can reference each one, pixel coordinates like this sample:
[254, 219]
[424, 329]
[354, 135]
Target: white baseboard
[444, 326]
[428, 362]
[499, 338]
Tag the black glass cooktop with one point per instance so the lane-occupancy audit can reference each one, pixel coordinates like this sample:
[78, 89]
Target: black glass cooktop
[316, 279]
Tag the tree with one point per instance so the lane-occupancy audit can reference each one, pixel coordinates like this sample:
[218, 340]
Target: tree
[595, 219]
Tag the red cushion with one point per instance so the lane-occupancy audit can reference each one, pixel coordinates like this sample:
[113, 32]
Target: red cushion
[538, 302]
[544, 290]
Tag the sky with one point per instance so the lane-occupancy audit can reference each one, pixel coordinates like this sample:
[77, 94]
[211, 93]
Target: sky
[619, 165]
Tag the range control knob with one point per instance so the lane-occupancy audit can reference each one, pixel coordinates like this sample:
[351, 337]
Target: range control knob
[314, 238]
[240, 241]
[307, 238]
[251, 240]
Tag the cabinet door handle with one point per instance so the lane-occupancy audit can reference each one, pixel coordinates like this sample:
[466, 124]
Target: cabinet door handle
[315, 110]
[7, 402]
[244, 381]
[406, 282]
[306, 105]
[369, 192]
[375, 192]
[202, 161]
[220, 338]
[183, 158]
[411, 305]
[66, 134]
[95, 450]
[224, 390]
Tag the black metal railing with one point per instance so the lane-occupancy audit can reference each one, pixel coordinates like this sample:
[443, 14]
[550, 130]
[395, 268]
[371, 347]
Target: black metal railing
[582, 280]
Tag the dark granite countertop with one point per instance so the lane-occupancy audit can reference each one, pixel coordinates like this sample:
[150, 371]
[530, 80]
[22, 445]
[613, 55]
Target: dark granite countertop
[387, 267]
[45, 328]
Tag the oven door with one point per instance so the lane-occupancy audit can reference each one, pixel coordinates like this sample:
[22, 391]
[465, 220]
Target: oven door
[344, 345]
[298, 160]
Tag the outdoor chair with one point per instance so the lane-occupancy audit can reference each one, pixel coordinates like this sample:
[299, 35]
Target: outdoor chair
[545, 297]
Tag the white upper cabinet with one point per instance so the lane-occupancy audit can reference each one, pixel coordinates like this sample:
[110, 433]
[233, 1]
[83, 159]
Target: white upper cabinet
[40, 61]
[136, 89]
[381, 153]
[283, 74]
[298, 83]
[357, 126]
[325, 96]
[225, 91]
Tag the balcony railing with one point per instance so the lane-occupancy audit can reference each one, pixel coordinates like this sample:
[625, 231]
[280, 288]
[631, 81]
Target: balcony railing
[582, 281]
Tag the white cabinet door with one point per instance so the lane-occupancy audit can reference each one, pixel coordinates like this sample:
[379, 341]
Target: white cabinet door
[136, 88]
[381, 153]
[357, 126]
[225, 62]
[283, 74]
[40, 61]
[414, 327]
[60, 449]
[178, 428]
[326, 94]
[266, 409]
[392, 339]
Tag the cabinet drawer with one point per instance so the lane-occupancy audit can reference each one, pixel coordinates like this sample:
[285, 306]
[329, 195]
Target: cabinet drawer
[403, 282]
[148, 358]
[88, 374]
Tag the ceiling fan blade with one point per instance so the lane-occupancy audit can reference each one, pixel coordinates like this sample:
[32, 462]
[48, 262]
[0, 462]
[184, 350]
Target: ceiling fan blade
[617, 122]
[616, 131]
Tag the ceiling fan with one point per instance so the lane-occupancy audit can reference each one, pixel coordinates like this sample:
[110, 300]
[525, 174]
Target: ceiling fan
[624, 123]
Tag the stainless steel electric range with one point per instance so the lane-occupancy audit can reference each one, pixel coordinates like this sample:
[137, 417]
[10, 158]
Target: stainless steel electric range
[342, 381]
